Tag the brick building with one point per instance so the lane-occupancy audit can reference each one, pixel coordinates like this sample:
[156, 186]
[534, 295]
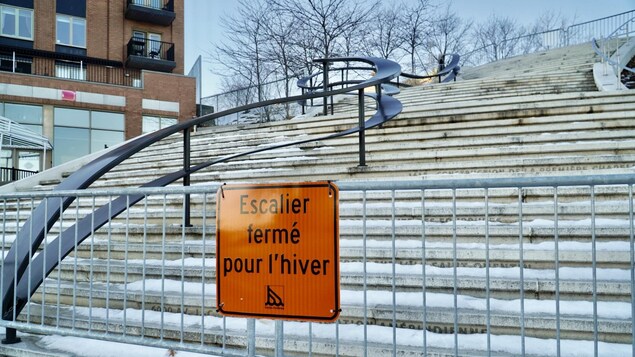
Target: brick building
[88, 74]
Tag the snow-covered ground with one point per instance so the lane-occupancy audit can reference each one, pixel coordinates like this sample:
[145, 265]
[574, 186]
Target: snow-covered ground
[85, 347]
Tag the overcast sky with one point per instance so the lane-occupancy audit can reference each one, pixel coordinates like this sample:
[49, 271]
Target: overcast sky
[202, 18]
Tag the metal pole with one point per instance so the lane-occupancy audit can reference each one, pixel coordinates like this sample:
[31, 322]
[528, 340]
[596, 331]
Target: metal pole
[362, 133]
[594, 276]
[332, 106]
[279, 350]
[455, 287]
[325, 86]
[251, 337]
[556, 239]
[44, 158]
[11, 337]
[311, 90]
[186, 178]
[303, 103]
[632, 251]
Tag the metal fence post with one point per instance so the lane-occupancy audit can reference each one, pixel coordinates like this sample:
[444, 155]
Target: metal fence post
[186, 178]
[251, 337]
[279, 349]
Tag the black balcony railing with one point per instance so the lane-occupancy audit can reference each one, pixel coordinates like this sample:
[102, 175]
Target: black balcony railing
[67, 66]
[160, 12]
[144, 53]
[165, 5]
[10, 174]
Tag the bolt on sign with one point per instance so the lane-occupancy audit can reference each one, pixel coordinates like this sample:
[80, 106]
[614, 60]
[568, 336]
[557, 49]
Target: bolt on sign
[277, 251]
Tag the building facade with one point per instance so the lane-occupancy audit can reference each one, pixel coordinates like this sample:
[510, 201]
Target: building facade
[88, 74]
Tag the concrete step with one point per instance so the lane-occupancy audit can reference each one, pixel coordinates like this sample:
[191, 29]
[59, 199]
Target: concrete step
[613, 255]
[429, 143]
[576, 319]
[370, 138]
[322, 342]
[575, 284]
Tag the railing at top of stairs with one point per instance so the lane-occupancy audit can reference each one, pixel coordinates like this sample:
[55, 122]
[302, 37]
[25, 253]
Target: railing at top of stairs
[603, 48]
[574, 34]
[19, 283]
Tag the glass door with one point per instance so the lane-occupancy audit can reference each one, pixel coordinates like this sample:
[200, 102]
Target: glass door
[155, 45]
[139, 43]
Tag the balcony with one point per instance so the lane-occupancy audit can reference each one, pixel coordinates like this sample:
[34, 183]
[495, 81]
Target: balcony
[159, 12]
[67, 66]
[150, 54]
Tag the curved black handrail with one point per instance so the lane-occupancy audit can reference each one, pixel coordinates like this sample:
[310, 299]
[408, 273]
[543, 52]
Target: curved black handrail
[15, 293]
[447, 74]
[306, 83]
[450, 71]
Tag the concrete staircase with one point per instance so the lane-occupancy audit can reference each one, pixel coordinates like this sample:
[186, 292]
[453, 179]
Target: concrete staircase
[533, 115]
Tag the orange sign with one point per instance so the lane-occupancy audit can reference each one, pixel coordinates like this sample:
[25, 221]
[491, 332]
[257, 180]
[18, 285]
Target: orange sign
[277, 251]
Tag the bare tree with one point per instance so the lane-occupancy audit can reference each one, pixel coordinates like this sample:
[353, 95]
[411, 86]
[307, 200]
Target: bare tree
[499, 37]
[416, 29]
[546, 32]
[237, 92]
[281, 50]
[385, 36]
[242, 53]
[307, 49]
[326, 21]
[448, 34]
[547, 21]
[351, 42]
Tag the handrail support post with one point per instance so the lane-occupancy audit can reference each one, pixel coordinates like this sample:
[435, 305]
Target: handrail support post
[11, 337]
[332, 106]
[325, 85]
[303, 103]
[362, 131]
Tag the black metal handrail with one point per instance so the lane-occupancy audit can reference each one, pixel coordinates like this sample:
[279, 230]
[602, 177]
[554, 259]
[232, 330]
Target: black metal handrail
[16, 288]
[146, 47]
[447, 73]
[10, 174]
[57, 64]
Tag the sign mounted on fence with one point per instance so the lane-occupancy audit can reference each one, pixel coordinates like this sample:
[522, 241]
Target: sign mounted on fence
[277, 251]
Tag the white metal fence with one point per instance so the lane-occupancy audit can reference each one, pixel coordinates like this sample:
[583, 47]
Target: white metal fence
[523, 266]
[530, 43]
[541, 41]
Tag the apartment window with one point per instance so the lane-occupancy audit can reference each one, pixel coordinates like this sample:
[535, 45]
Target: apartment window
[70, 70]
[16, 22]
[18, 64]
[81, 132]
[152, 123]
[71, 31]
[29, 116]
[6, 158]
[147, 44]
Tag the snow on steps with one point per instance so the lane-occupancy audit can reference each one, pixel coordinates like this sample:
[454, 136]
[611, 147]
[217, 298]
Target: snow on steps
[500, 122]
